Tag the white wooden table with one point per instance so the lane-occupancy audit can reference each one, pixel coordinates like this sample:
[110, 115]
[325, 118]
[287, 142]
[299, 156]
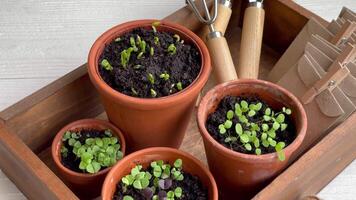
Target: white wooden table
[41, 40]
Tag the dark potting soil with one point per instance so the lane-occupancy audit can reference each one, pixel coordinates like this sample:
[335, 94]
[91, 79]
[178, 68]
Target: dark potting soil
[228, 103]
[71, 161]
[191, 186]
[183, 66]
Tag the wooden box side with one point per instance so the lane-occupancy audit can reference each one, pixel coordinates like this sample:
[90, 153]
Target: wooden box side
[34, 121]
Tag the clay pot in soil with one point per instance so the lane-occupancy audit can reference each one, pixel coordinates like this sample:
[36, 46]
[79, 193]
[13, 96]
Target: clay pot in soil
[144, 157]
[149, 122]
[240, 175]
[85, 185]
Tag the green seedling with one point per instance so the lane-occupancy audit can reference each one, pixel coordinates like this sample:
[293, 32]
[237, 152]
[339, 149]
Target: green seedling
[164, 76]
[172, 49]
[125, 56]
[106, 65]
[179, 86]
[155, 25]
[177, 37]
[151, 78]
[257, 134]
[94, 153]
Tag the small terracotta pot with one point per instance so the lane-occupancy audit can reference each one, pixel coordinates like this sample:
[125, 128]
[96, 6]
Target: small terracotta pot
[149, 122]
[242, 175]
[146, 156]
[86, 185]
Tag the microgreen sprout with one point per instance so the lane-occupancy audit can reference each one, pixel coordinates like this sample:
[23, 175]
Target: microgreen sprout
[172, 49]
[153, 93]
[118, 39]
[106, 65]
[157, 181]
[125, 56]
[134, 91]
[95, 153]
[156, 40]
[133, 44]
[154, 25]
[241, 126]
[177, 37]
[151, 78]
[139, 55]
[179, 86]
[164, 76]
[152, 51]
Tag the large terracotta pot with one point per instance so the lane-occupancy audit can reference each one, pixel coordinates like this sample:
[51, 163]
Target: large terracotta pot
[240, 176]
[149, 122]
[146, 156]
[85, 185]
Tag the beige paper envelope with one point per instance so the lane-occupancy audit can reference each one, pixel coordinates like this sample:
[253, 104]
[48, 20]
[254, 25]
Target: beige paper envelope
[326, 111]
[296, 49]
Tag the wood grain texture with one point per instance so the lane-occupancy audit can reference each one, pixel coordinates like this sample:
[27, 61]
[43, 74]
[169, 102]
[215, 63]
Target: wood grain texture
[42, 40]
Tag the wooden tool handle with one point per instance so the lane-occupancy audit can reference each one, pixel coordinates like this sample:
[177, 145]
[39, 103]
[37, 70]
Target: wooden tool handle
[251, 41]
[221, 22]
[224, 69]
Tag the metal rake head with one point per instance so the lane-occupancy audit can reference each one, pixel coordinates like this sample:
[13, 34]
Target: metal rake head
[207, 19]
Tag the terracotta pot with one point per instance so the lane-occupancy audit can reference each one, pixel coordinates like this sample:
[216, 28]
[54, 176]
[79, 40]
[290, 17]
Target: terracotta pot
[149, 122]
[242, 175]
[146, 156]
[85, 185]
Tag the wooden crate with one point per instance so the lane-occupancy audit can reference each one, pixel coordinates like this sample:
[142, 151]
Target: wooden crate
[28, 127]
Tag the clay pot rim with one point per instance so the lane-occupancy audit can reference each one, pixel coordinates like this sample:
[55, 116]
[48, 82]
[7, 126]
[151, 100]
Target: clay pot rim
[97, 48]
[57, 142]
[157, 150]
[257, 158]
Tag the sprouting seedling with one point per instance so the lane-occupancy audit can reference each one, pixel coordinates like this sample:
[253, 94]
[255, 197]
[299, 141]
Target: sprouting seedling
[106, 65]
[151, 78]
[138, 66]
[139, 55]
[94, 153]
[254, 135]
[134, 91]
[125, 56]
[155, 25]
[152, 51]
[143, 46]
[156, 40]
[179, 86]
[177, 37]
[128, 197]
[164, 76]
[172, 49]
[118, 39]
[133, 44]
[153, 93]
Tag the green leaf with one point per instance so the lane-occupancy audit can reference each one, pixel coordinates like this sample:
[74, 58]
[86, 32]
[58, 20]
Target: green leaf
[280, 118]
[251, 113]
[248, 147]
[279, 146]
[272, 142]
[86, 157]
[178, 163]
[66, 136]
[258, 151]
[153, 93]
[230, 114]
[106, 65]
[82, 165]
[281, 155]
[238, 129]
[238, 111]
[156, 40]
[266, 118]
[244, 105]
[99, 142]
[265, 143]
[227, 140]
[90, 169]
[179, 86]
[258, 106]
[135, 170]
[272, 133]
[137, 184]
[172, 49]
[288, 111]
[170, 194]
[152, 51]
[77, 144]
[252, 106]
[128, 197]
[276, 125]
[264, 136]
[265, 127]
[228, 124]
[71, 142]
[178, 192]
[151, 78]
[243, 119]
[244, 138]
[96, 166]
[256, 143]
[114, 140]
[119, 155]
[222, 129]
[283, 126]
[268, 112]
